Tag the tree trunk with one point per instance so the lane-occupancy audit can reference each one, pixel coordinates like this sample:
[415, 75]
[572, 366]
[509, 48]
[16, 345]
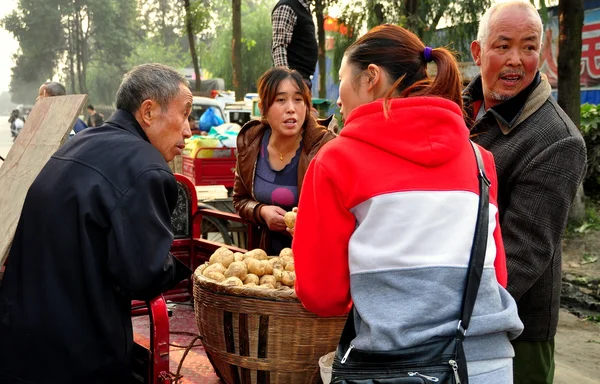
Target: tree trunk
[71, 50]
[319, 8]
[78, 49]
[236, 51]
[570, 16]
[192, 41]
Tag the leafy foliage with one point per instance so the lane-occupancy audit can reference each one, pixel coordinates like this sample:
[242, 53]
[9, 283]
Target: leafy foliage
[215, 49]
[590, 129]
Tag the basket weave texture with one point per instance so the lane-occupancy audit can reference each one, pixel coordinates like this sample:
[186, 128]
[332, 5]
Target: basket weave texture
[254, 335]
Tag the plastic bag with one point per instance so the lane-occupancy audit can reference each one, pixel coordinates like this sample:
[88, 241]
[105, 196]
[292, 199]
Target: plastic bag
[209, 119]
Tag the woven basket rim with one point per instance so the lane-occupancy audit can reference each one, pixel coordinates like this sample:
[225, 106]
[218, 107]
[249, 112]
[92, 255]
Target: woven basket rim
[204, 282]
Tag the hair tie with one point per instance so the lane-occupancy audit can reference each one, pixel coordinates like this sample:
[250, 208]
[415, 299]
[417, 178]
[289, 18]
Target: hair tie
[427, 54]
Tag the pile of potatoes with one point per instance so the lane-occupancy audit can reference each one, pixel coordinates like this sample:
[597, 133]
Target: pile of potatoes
[252, 269]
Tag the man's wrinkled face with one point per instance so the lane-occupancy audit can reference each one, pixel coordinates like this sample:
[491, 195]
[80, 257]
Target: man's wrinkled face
[509, 57]
[170, 127]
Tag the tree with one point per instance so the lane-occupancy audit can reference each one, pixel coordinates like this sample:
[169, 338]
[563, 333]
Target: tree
[192, 41]
[570, 16]
[216, 48]
[236, 49]
[319, 13]
[570, 20]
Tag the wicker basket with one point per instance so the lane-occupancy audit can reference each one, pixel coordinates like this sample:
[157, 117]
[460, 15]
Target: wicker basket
[254, 335]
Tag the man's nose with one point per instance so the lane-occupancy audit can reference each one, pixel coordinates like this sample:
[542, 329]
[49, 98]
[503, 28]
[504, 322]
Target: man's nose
[514, 57]
[187, 132]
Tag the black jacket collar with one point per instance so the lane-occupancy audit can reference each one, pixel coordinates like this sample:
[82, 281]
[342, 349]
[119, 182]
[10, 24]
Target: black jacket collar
[508, 111]
[125, 120]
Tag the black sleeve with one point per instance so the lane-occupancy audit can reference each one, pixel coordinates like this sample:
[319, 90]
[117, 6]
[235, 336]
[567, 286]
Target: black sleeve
[141, 235]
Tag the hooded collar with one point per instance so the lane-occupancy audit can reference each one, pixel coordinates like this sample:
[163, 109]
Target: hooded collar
[423, 130]
[515, 110]
[125, 120]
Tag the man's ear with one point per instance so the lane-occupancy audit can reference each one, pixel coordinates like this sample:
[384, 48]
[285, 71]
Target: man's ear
[147, 111]
[476, 52]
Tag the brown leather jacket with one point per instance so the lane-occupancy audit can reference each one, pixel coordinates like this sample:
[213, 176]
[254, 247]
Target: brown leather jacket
[248, 146]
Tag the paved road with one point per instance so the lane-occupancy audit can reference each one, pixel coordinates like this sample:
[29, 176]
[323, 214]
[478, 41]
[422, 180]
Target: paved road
[5, 137]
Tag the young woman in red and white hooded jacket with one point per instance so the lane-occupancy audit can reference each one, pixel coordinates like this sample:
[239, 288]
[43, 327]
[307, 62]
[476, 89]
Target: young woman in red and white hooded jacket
[387, 214]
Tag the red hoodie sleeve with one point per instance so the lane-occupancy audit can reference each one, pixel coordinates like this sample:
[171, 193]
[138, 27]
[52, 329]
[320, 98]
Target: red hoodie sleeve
[322, 232]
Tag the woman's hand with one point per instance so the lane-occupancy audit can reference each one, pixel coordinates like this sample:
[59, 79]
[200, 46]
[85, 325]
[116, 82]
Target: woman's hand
[273, 216]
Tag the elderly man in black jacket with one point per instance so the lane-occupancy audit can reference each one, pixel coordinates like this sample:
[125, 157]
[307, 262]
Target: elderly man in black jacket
[95, 233]
[540, 160]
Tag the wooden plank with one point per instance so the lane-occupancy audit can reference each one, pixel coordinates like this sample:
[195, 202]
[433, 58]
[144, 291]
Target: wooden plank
[46, 128]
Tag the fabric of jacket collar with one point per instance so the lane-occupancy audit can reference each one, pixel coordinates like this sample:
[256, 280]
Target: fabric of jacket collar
[125, 120]
[513, 111]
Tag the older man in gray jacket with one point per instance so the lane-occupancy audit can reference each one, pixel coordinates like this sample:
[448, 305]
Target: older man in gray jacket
[540, 159]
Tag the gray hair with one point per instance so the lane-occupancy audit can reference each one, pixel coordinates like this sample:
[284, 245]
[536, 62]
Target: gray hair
[489, 17]
[149, 81]
[54, 89]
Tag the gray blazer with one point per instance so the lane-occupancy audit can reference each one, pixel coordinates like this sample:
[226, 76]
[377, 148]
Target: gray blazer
[540, 159]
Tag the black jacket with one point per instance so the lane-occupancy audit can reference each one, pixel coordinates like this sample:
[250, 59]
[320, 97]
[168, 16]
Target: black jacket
[94, 233]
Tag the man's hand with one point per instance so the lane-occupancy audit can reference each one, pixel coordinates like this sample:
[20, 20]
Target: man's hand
[273, 216]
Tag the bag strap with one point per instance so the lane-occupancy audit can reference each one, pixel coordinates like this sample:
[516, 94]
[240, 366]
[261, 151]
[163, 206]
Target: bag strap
[479, 247]
[475, 268]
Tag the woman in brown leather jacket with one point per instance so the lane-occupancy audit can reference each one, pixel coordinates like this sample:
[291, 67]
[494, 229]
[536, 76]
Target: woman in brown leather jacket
[274, 153]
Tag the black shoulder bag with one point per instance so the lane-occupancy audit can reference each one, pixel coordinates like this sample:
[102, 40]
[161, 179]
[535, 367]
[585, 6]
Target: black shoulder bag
[440, 361]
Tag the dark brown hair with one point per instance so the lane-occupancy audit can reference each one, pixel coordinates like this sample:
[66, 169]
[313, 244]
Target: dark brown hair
[401, 53]
[269, 82]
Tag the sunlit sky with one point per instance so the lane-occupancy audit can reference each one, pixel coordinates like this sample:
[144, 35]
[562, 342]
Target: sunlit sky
[9, 45]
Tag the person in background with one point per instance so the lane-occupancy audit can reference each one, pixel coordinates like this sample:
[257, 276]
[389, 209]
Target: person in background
[540, 157]
[274, 153]
[52, 88]
[77, 262]
[194, 126]
[95, 119]
[387, 215]
[16, 123]
[294, 40]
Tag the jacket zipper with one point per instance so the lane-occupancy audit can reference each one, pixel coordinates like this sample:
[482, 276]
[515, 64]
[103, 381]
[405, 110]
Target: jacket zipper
[454, 366]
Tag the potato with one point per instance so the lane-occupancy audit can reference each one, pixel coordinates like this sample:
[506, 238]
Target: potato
[273, 259]
[288, 278]
[267, 266]
[267, 286]
[237, 269]
[251, 278]
[290, 219]
[279, 285]
[238, 256]
[258, 254]
[290, 266]
[217, 276]
[286, 260]
[286, 252]
[233, 281]
[277, 274]
[268, 279]
[251, 285]
[223, 256]
[216, 267]
[254, 266]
